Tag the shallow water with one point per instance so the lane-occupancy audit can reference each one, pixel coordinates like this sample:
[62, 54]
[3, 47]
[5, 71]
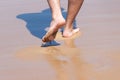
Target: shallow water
[94, 54]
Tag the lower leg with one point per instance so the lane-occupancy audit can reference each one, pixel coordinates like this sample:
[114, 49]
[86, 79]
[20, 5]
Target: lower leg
[55, 9]
[57, 20]
[73, 9]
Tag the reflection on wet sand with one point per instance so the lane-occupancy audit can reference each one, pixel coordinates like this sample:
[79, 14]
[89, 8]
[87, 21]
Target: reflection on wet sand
[70, 63]
[65, 59]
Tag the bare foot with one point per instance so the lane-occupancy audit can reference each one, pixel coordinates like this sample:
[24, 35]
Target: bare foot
[69, 32]
[54, 26]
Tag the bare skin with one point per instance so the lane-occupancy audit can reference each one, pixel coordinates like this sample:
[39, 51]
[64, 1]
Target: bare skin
[58, 20]
[73, 9]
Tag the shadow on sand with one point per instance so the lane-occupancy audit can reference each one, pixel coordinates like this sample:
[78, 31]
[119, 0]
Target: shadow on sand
[38, 23]
[56, 56]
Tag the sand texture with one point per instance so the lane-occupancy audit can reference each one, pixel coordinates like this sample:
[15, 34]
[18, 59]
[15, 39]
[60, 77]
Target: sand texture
[91, 54]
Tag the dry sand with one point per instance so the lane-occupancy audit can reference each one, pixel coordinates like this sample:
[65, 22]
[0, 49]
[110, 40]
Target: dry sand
[92, 55]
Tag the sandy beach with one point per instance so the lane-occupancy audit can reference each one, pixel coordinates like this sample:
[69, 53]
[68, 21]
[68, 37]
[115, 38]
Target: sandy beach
[92, 54]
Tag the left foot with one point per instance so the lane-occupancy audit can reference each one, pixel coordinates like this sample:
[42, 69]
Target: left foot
[54, 26]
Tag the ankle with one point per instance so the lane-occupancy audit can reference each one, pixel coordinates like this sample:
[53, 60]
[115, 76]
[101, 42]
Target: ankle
[68, 28]
[59, 20]
[57, 16]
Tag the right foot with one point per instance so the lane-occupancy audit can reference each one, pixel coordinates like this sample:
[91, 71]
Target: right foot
[70, 32]
[54, 26]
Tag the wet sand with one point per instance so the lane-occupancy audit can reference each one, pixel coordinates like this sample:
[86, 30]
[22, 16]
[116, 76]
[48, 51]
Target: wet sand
[92, 54]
